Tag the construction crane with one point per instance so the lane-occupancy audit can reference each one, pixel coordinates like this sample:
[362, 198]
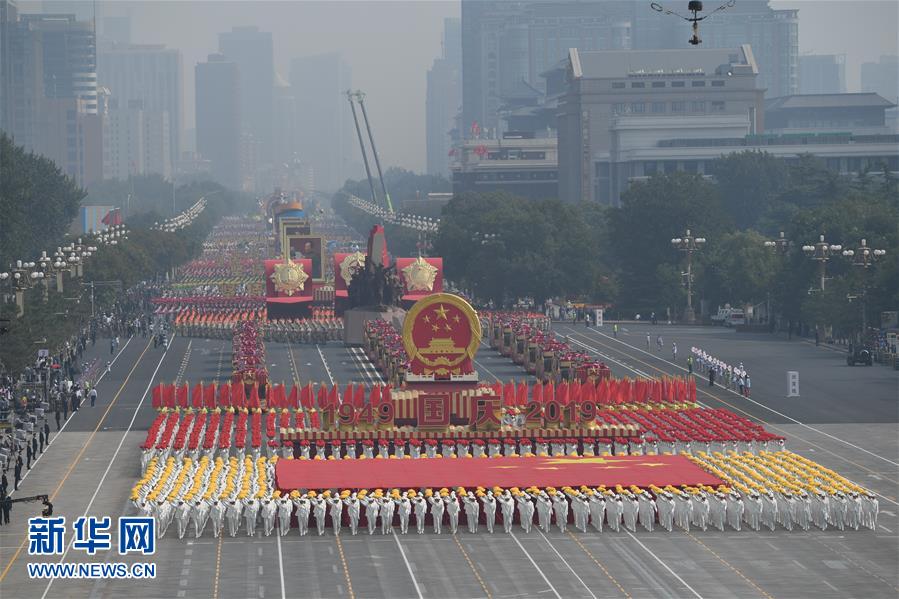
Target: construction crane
[371, 183]
[360, 98]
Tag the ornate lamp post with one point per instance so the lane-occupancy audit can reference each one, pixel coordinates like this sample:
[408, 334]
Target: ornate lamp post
[821, 252]
[781, 245]
[22, 277]
[689, 245]
[864, 258]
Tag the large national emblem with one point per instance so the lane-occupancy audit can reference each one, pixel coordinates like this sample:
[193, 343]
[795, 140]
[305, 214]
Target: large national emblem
[420, 275]
[351, 263]
[441, 335]
[289, 277]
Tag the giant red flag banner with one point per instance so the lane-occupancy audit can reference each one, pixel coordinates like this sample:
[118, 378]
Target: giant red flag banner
[504, 472]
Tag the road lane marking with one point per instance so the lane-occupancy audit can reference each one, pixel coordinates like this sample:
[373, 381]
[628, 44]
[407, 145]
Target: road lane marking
[728, 564]
[330, 378]
[536, 567]
[473, 569]
[408, 565]
[770, 425]
[280, 566]
[116, 453]
[664, 565]
[598, 563]
[218, 568]
[346, 569]
[565, 561]
[78, 457]
[63, 427]
[761, 405]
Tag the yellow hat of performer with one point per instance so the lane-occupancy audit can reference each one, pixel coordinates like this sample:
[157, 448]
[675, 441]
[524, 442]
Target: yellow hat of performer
[326, 494]
[311, 494]
[276, 494]
[429, 493]
[410, 493]
[460, 491]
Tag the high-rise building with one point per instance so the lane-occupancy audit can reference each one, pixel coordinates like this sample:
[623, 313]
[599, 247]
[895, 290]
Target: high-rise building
[822, 74]
[152, 76]
[444, 99]
[883, 77]
[135, 141]
[325, 136]
[618, 104]
[68, 56]
[252, 51]
[218, 118]
[49, 89]
[772, 34]
[506, 43]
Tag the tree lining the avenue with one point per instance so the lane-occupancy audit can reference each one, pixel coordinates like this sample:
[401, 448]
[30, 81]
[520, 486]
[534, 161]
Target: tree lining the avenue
[39, 202]
[505, 248]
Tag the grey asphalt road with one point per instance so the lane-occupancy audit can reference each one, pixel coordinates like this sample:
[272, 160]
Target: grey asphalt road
[93, 463]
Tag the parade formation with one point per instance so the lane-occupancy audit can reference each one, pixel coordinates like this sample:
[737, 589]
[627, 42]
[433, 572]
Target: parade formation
[571, 447]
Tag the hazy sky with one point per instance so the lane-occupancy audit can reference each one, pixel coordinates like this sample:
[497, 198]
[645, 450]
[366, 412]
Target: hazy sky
[390, 45]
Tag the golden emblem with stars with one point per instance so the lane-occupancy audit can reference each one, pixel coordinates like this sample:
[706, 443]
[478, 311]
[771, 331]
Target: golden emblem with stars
[420, 275]
[350, 263]
[289, 277]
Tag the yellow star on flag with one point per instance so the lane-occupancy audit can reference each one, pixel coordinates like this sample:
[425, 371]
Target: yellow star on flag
[441, 312]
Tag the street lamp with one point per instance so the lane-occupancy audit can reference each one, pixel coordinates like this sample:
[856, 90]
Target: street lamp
[781, 244]
[689, 244]
[864, 258]
[821, 253]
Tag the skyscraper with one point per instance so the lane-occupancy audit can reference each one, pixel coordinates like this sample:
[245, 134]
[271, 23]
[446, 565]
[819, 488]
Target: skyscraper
[151, 75]
[218, 118]
[49, 90]
[505, 43]
[822, 74]
[883, 77]
[772, 34]
[325, 137]
[251, 50]
[444, 98]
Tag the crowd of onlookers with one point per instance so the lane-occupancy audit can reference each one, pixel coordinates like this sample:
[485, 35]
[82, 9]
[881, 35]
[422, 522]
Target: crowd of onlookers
[58, 384]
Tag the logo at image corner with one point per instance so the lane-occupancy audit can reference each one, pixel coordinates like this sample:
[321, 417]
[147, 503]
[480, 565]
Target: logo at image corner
[137, 535]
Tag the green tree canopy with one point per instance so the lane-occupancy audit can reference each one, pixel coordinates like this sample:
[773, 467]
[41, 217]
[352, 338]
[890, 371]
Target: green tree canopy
[37, 203]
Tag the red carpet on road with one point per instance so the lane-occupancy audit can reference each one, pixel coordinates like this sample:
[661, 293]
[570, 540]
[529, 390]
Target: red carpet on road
[488, 472]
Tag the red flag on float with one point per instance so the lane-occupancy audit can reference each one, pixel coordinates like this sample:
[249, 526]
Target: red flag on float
[239, 397]
[387, 395]
[537, 395]
[168, 396]
[225, 395]
[588, 392]
[209, 396]
[293, 401]
[562, 393]
[498, 389]
[332, 397]
[509, 394]
[306, 397]
[254, 397]
[374, 398]
[692, 393]
[183, 396]
[549, 392]
[348, 394]
[322, 399]
[574, 391]
[359, 396]
[157, 397]
[521, 398]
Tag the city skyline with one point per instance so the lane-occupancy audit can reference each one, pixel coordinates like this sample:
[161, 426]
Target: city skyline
[374, 38]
